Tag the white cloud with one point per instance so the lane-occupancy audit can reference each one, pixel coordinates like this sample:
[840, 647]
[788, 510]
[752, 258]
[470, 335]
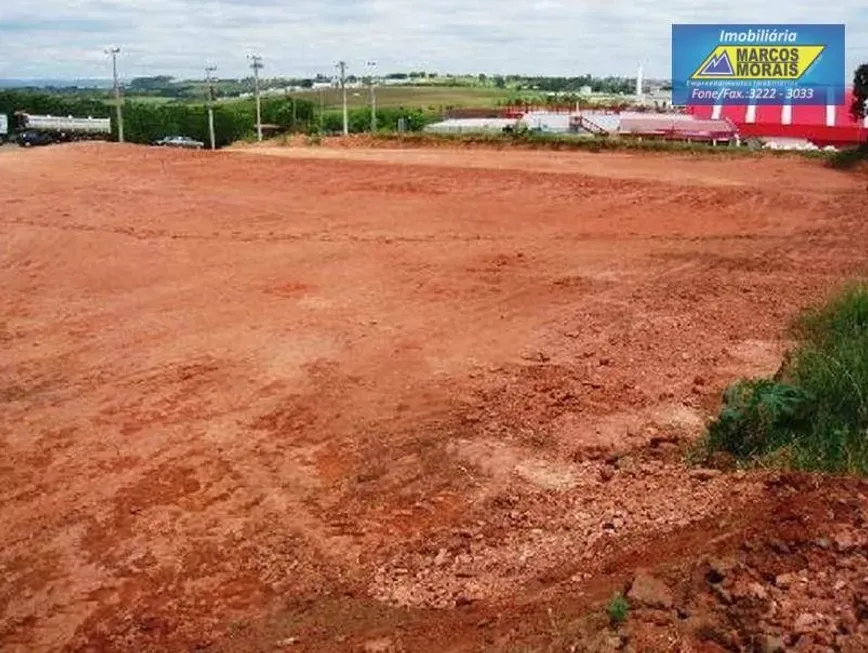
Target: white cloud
[302, 37]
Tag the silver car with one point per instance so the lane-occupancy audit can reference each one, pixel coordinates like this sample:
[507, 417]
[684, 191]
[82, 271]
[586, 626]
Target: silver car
[180, 141]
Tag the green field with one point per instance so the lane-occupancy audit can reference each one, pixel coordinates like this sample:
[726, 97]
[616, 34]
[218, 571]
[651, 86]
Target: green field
[431, 99]
[423, 97]
[150, 99]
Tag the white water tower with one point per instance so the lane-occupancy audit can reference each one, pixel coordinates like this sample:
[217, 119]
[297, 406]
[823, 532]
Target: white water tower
[640, 81]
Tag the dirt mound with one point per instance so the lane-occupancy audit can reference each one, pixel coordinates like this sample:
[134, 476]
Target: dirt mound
[784, 571]
[793, 578]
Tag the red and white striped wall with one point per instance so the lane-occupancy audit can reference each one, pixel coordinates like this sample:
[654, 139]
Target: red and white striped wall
[824, 125]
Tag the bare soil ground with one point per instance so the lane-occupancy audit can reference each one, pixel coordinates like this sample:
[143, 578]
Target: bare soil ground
[409, 401]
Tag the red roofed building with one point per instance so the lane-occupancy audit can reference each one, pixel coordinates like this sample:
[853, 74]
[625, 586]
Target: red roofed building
[822, 125]
[673, 127]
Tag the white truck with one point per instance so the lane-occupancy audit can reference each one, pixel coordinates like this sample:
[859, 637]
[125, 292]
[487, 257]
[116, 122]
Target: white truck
[43, 130]
[4, 127]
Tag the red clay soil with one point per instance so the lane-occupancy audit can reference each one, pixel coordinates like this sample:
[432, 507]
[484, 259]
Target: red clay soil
[409, 401]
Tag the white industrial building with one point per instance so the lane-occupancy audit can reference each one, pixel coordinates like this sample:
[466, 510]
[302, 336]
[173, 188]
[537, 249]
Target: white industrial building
[597, 123]
[472, 126]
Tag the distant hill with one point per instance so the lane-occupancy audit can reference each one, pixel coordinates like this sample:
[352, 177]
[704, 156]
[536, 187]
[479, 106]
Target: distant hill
[55, 83]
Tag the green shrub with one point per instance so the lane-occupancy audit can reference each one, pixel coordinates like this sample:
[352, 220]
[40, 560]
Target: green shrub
[293, 114]
[842, 318]
[817, 414]
[359, 119]
[617, 609]
[847, 158]
[233, 121]
[147, 122]
[757, 416]
[832, 367]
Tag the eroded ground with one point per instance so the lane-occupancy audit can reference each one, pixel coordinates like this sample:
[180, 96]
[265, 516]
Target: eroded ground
[405, 400]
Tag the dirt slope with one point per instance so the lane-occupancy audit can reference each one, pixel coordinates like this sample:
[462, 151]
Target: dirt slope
[397, 400]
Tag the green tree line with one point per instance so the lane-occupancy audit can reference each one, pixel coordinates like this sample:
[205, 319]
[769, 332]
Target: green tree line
[50, 104]
[359, 120]
[145, 122]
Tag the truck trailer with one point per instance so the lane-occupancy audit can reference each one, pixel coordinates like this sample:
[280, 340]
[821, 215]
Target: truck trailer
[44, 130]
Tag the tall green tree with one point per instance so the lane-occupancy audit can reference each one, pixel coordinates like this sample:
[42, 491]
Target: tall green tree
[860, 92]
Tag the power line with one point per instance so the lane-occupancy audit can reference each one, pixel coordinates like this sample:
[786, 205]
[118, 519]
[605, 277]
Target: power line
[256, 64]
[113, 51]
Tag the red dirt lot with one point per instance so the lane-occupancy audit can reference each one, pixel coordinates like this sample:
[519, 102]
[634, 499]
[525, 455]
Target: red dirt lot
[340, 400]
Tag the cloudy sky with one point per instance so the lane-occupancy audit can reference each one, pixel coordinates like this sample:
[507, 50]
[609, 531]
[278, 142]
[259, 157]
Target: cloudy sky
[66, 38]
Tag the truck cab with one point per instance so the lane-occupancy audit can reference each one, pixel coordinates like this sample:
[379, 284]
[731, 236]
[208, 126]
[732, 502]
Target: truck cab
[31, 137]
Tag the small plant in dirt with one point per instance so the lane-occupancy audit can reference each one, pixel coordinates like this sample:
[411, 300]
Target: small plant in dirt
[757, 416]
[847, 158]
[814, 414]
[617, 609]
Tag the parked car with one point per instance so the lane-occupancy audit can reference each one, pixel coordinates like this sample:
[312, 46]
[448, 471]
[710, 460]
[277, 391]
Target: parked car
[31, 137]
[180, 141]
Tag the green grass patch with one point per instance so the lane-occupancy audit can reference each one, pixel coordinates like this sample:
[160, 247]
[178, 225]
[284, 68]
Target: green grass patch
[153, 99]
[814, 414]
[421, 97]
[617, 609]
[848, 158]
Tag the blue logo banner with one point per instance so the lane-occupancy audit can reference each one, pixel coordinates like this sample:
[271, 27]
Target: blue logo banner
[758, 64]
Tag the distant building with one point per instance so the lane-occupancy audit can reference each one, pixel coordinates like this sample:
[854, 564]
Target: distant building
[472, 126]
[402, 82]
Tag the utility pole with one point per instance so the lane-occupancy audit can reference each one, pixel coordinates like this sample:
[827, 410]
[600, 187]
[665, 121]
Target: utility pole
[371, 66]
[342, 65]
[321, 109]
[113, 51]
[256, 64]
[210, 81]
[640, 80]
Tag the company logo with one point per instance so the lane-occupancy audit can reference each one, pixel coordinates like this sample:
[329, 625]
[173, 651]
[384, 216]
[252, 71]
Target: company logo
[758, 62]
